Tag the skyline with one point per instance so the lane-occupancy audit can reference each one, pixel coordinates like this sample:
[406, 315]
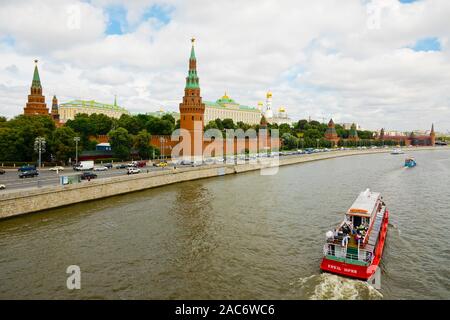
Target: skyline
[387, 69]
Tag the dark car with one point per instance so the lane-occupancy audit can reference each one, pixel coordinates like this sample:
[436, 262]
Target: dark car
[27, 168]
[2, 171]
[28, 174]
[121, 166]
[88, 176]
[108, 165]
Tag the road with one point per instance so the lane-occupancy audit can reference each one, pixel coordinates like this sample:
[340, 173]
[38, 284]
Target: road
[47, 178]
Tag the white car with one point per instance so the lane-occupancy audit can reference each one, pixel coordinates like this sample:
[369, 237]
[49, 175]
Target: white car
[100, 168]
[133, 170]
[56, 168]
[2, 186]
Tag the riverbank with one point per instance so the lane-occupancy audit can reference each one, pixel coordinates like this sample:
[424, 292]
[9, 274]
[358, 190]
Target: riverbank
[16, 203]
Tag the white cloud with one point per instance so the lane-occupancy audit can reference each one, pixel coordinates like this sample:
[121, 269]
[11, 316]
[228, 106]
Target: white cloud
[319, 58]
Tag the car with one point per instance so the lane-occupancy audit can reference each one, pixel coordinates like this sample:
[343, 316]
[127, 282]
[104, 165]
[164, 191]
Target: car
[108, 165]
[133, 170]
[26, 168]
[28, 174]
[101, 168]
[2, 186]
[161, 164]
[56, 168]
[2, 171]
[121, 166]
[88, 175]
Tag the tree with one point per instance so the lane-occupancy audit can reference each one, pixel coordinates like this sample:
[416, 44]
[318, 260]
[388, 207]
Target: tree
[62, 144]
[130, 123]
[228, 123]
[101, 124]
[159, 126]
[141, 143]
[121, 142]
[169, 118]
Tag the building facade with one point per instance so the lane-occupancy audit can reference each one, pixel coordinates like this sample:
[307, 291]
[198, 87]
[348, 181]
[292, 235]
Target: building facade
[68, 110]
[227, 108]
[36, 100]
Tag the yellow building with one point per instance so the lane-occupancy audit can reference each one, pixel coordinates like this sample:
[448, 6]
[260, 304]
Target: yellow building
[68, 110]
[227, 108]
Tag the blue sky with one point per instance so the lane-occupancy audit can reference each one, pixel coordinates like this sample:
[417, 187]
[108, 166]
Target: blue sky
[118, 23]
[427, 44]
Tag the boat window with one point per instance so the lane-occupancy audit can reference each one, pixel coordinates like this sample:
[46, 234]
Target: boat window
[356, 221]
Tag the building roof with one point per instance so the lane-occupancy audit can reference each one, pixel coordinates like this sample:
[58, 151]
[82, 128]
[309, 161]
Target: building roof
[92, 104]
[225, 102]
[36, 79]
[364, 204]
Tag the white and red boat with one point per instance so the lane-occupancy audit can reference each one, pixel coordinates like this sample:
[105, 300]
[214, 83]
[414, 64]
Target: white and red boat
[355, 248]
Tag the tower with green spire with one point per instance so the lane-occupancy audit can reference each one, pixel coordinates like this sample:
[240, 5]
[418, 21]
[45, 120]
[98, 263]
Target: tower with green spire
[36, 101]
[192, 109]
[353, 134]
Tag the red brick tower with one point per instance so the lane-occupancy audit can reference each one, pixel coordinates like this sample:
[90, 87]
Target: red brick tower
[192, 108]
[36, 101]
[55, 111]
[432, 136]
[331, 134]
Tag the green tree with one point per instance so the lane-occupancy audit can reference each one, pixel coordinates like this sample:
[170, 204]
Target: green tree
[141, 143]
[228, 123]
[121, 142]
[62, 143]
[131, 123]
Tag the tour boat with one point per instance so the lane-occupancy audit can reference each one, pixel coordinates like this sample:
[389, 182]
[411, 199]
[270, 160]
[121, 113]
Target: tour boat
[410, 162]
[355, 247]
[397, 151]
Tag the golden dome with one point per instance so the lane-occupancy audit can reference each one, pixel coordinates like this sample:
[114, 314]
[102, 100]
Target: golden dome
[269, 95]
[225, 96]
[260, 103]
[281, 109]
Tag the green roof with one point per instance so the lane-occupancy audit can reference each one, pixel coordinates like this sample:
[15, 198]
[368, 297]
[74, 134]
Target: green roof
[222, 102]
[92, 104]
[36, 79]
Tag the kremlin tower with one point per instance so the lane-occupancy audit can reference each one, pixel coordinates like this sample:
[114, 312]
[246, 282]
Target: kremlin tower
[55, 112]
[192, 108]
[331, 134]
[432, 136]
[36, 101]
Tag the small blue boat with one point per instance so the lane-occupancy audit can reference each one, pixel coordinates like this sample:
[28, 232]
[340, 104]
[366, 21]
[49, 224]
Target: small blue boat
[410, 162]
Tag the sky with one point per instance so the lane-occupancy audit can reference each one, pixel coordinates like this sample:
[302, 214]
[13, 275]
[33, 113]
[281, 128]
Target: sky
[379, 63]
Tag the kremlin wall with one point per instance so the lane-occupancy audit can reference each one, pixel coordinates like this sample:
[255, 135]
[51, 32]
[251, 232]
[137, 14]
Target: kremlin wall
[194, 113]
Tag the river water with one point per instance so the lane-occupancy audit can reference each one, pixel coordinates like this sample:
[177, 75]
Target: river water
[244, 236]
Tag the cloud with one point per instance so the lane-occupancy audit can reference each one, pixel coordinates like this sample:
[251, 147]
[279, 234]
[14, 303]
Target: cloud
[353, 60]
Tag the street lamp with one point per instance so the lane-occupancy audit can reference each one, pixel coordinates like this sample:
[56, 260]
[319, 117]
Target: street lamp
[39, 147]
[161, 139]
[317, 143]
[76, 139]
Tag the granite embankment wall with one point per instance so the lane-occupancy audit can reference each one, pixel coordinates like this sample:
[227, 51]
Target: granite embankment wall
[24, 201]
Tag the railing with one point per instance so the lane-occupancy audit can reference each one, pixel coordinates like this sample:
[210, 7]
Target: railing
[341, 253]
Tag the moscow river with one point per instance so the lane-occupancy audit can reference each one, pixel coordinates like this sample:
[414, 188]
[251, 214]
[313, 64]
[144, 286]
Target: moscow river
[243, 236]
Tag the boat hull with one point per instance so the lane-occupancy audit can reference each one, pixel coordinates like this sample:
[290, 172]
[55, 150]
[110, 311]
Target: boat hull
[357, 271]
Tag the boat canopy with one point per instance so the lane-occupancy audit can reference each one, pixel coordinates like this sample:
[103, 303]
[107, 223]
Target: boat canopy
[365, 204]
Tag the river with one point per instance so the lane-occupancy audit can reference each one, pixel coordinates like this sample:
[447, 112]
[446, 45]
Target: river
[244, 236]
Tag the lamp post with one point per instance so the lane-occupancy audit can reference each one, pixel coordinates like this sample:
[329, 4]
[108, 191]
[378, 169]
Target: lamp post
[76, 139]
[39, 147]
[317, 143]
[161, 140]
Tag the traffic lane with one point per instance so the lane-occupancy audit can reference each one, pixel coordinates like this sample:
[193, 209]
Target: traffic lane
[48, 178]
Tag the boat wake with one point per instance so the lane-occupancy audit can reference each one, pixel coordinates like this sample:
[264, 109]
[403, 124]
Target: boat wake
[328, 286]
